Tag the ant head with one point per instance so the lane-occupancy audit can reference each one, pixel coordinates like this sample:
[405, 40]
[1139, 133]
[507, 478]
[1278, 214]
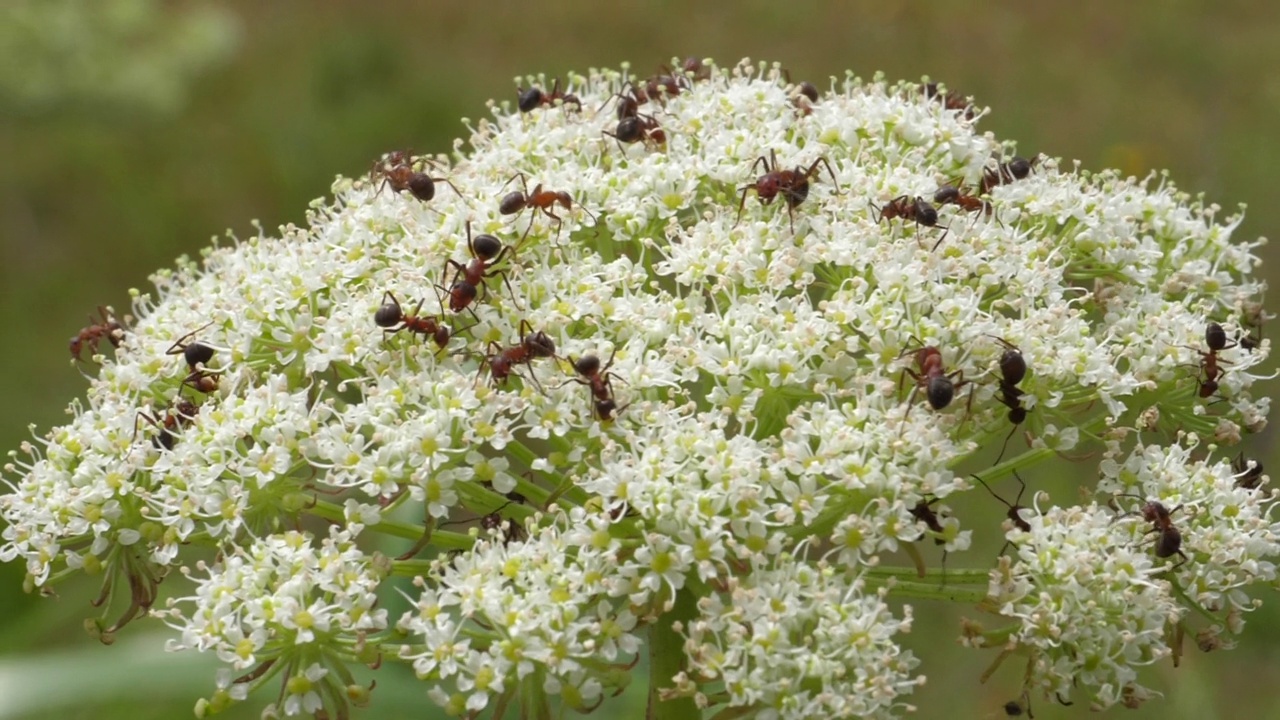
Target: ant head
[940, 392]
[486, 247]
[461, 295]
[808, 90]
[185, 407]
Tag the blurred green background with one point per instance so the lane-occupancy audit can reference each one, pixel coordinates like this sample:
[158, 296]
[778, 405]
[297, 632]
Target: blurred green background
[132, 131]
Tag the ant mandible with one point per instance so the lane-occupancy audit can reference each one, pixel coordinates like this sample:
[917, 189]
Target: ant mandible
[528, 100]
[94, 332]
[933, 378]
[486, 252]
[914, 209]
[1013, 368]
[532, 345]
[395, 169]
[793, 185]
[1216, 338]
[176, 418]
[392, 319]
[599, 380]
[197, 355]
[544, 201]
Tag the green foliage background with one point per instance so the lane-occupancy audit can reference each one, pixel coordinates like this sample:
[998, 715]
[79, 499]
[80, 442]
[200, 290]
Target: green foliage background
[94, 196]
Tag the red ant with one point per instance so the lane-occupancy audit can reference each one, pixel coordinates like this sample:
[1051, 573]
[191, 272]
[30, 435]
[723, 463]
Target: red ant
[793, 185]
[1216, 338]
[933, 378]
[1004, 173]
[1014, 506]
[392, 319]
[694, 69]
[1248, 472]
[395, 169]
[196, 355]
[952, 100]
[599, 379]
[1169, 541]
[529, 99]
[916, 210]
[954, 194]
[1013, 368]
[174, 419]
[514, 203]
[91, 335]
[636, 128]
[532, 345]
[486, 251]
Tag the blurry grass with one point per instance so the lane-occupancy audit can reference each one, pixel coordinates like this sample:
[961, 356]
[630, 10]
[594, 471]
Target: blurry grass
[89, 205]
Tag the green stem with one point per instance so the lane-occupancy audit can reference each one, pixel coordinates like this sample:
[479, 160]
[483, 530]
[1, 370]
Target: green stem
[927, 591]
[666, 659]
[441, 538]
[963, 575]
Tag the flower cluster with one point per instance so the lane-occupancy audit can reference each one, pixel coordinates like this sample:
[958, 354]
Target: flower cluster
[676, 419]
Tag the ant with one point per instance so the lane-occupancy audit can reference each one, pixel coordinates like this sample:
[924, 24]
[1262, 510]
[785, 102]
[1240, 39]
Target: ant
[511, 529]
[916, 210]
[1169, 542]
[92, 334]
[924, 512]
[806, 96]
[395, 169]
[694, 68]
[599, 379]
[1216, 338]
[792, 184]
[1014, 507]
[532, 345]
[1248, 472]
[514, 203]
[953, 193]
[952, 100]
[197, 355]
[486, 251]
[174, 419]
[1013, 368]
[933, 378]
[1004, 173]
[392, 319]
[636, 128]
[528, 100]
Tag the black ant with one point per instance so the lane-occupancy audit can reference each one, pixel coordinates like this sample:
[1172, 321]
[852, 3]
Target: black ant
[913, 209]
[1013, 368]
[1216, 338]
[1169, 540]
[94, 332]
[514, 203]
[528, 100]
[1004, 173]
[1248, 472]
[933, 378]
[510, 528]
[176, 418]
[395, 169]
[1014, 506]
[532, 345]
[197, 355]
[392, 319]
[486, 251]
[637, 128]
[952, 100]
[1252, 324]
[924, 512]
[599, 380]
[793, 185]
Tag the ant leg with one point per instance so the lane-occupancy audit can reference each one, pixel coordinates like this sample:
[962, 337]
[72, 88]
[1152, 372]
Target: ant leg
[503, 274]
[180, 345]
[743, 201]
[945, 230]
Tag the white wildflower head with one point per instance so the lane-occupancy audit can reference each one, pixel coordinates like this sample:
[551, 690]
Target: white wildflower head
[690, 366]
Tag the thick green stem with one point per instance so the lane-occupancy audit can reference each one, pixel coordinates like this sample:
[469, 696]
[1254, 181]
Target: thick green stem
[666, 659]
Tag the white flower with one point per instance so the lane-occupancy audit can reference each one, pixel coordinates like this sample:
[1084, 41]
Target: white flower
[798, 345]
